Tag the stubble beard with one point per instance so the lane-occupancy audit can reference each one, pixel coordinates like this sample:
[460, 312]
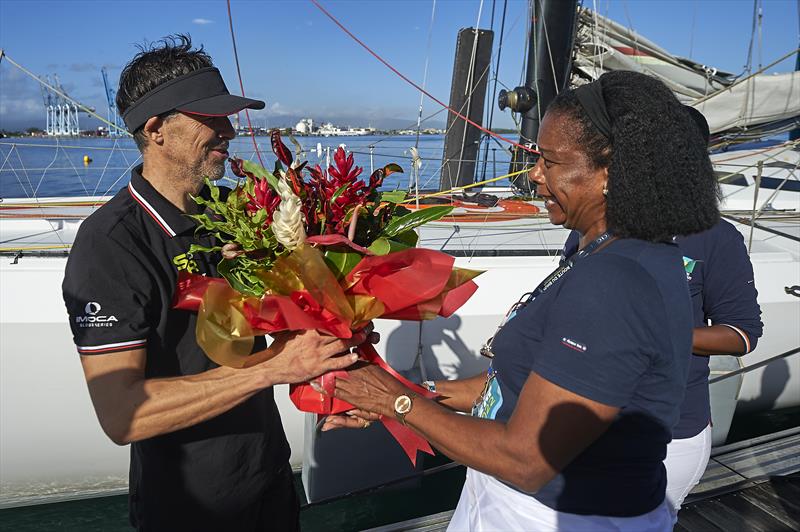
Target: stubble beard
[214, 171]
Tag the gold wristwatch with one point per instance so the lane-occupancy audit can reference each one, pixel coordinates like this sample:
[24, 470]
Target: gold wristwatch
[402, 406]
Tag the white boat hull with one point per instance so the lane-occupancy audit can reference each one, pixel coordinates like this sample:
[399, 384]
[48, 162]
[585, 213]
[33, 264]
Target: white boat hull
[51, 445]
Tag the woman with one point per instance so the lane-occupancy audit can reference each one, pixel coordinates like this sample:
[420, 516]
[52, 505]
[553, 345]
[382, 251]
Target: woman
[726, 322]
[571, 422]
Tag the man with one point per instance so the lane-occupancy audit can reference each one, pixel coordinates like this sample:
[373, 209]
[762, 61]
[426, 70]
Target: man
[208, 451]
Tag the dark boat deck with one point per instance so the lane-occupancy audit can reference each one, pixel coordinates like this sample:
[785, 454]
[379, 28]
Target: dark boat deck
[753, 485]
[771, 505]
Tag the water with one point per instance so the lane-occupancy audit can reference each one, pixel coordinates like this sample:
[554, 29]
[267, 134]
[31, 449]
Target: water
[47, 167]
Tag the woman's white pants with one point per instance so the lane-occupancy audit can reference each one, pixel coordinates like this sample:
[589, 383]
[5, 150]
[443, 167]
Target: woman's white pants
[686, 461]
[487, 504]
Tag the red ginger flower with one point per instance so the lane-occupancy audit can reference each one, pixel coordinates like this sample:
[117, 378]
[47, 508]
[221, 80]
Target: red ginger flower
[263, 198]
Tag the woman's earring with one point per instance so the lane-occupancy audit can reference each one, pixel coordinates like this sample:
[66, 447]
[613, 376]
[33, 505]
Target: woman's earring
[605, 190]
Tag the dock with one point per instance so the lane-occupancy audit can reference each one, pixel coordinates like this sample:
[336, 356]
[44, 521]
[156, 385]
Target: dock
[752, 485]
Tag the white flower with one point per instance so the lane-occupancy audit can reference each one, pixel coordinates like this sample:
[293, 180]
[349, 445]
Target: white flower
[287, 220]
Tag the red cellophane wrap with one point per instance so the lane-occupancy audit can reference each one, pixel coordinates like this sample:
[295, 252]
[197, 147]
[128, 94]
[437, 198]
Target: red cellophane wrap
[304, 293]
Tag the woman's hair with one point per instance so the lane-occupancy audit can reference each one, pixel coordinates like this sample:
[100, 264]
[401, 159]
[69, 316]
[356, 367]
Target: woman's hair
[660, 180]
[157, 63]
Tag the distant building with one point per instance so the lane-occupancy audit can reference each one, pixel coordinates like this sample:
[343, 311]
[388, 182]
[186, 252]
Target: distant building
[305, 126]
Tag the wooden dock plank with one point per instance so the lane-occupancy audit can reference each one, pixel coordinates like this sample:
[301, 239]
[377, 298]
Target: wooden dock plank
[691, 520]
[765, 497]
[747, 516]
[716, 476]
[764, 460]
[772, 505]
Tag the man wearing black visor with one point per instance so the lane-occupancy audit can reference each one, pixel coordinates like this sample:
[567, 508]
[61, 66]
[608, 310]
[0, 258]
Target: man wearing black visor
[208, 451]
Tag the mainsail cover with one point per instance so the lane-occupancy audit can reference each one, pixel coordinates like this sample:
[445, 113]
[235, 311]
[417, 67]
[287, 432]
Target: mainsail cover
[728, 103]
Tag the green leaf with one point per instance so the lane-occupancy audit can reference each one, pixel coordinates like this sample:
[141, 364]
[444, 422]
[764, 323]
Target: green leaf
[261, 172]
[392, 168]
[338, 192]
[415, 219]
[239, 279]
[341, 262]
[384, 246]
[394, 196]
[197, 248]
[381, 246]
[408, 238]
[214, 191]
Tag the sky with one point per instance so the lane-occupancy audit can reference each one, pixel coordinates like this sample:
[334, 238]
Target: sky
[301, 64]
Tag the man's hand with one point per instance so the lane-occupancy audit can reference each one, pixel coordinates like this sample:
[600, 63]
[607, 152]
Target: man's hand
[300, 356]
[231, 250]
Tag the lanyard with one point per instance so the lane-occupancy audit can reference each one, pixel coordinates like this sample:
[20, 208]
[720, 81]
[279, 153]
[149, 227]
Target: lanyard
[567, 264]
[550, 280]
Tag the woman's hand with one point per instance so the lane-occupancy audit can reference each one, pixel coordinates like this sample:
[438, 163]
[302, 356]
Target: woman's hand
[369, 388]
[353, 419]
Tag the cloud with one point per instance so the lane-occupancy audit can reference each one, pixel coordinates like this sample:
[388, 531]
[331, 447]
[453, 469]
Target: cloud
[21, 102]
[278, 109]
[202, 21]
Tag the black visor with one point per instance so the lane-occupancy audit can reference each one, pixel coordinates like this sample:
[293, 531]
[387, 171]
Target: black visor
[201, 92]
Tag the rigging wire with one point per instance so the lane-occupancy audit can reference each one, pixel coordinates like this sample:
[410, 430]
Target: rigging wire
[241, 84]
[413, 84]
[425, 73]
[490, 96]
[415, 168]
[742, 80]
[470, 86]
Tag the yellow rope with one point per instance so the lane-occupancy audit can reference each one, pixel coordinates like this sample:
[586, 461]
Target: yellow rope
[35, 248]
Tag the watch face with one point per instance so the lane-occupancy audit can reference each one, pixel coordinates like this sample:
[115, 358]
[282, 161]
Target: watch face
[402, 404]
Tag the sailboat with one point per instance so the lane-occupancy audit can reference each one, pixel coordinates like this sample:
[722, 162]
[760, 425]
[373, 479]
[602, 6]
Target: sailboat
[43, 397]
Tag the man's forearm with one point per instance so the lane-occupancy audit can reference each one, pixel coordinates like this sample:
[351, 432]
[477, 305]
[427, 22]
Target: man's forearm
[151, 407]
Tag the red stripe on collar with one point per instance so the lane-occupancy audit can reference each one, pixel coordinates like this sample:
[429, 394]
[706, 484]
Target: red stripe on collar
[150, 210]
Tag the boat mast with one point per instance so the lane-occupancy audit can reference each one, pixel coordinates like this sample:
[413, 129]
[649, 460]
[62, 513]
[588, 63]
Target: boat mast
[549, 65]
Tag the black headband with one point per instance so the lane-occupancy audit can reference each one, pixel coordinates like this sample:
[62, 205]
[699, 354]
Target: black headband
[201, 92]
[590, 96]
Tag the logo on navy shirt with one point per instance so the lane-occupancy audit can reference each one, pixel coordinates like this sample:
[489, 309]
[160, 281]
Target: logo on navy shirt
[572, 344]
[93, 318]
[688, 265]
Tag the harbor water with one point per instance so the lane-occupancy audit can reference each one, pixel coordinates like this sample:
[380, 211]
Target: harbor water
[55, 167]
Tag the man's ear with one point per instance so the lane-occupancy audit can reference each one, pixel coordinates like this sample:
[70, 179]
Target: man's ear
[153, 130]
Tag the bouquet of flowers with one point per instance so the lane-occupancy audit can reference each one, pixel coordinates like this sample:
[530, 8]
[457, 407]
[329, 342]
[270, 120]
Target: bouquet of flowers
[324, 251]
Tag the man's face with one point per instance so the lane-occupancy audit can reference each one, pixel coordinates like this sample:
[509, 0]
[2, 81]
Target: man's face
[198, 143]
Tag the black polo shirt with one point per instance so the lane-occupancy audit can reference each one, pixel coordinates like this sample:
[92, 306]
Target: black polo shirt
[118, 288]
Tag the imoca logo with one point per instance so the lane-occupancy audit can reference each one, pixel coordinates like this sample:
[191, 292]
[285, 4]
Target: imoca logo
[91, 316]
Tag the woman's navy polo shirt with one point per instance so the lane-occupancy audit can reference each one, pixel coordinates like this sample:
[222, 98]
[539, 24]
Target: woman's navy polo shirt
[615, 329]
[118, 288]
[723, 291]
